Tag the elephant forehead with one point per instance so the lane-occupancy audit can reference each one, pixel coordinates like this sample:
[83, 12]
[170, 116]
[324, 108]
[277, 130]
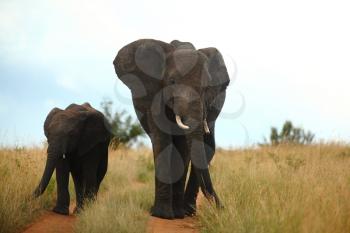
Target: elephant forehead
[184, 60]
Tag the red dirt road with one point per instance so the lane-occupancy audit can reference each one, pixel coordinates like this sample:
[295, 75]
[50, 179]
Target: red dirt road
[158, 225]
[51, 222]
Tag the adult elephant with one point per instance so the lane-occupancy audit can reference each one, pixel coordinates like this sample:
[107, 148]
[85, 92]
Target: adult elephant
[78, 140]
[178, 93]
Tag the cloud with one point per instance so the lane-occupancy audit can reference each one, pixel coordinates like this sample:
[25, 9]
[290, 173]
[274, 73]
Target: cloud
[68, 83]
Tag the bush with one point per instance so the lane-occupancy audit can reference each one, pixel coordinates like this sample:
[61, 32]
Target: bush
[124, 129]
[290, 135]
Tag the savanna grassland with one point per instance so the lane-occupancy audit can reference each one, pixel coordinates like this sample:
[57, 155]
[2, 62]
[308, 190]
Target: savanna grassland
[124, 197]
[19, 173]
[270, 189]
[281, 189]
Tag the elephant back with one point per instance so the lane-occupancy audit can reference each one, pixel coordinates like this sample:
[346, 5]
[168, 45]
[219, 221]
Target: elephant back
[76, 129]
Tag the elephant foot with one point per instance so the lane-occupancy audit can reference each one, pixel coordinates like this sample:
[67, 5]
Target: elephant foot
[162, 211]
[178, 208]
[61, 210]
[190, 209]
[179, 213]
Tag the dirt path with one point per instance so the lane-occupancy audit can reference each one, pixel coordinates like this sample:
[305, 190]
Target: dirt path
[158, 225]
[51, 222]
[186, 225]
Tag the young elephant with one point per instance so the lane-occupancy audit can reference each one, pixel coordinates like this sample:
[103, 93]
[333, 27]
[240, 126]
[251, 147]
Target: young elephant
[78, 141]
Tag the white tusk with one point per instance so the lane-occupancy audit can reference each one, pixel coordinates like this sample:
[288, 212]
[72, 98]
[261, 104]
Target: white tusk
[206, 128]
[179, 123]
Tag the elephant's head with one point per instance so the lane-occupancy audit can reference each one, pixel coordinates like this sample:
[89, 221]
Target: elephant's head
[188, 80]
[185, 82]
[75, 131]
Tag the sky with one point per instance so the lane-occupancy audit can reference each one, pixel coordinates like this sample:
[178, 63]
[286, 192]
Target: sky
[287, 60]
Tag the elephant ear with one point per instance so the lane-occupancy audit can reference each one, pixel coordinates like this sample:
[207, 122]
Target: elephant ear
[95, 130]
[48, 120]
[140, 65]
[218, 82]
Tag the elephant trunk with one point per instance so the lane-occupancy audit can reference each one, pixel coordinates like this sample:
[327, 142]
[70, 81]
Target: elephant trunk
[197, 123]
[52, 157]
[200, 164]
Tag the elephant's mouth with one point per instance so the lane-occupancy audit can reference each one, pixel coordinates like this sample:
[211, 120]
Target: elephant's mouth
[186, 127]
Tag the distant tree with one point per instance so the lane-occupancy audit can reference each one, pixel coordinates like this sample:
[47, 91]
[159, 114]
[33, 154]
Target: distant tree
[287, 130]
[290, 135]
[274, 136]
[125, 130]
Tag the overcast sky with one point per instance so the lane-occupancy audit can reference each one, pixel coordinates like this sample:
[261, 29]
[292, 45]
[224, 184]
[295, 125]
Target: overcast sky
[288, 60]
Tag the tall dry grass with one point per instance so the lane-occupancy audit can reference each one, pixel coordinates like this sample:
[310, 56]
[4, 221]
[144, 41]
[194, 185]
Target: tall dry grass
[281, 189]
[20, 172]
[126, 195]
[273, 189]
[124, 199]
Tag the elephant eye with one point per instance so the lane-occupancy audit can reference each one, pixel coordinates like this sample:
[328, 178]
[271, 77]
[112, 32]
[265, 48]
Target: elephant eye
[172, 81]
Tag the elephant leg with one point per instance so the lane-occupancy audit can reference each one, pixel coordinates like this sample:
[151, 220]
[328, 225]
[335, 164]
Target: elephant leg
[89, 176]
[179, 186]
[192, 187]
[78, 186]
[102, 166]
[62, 179]
[79, 193]
[163, 186]
[161, 144]
[84, 170]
